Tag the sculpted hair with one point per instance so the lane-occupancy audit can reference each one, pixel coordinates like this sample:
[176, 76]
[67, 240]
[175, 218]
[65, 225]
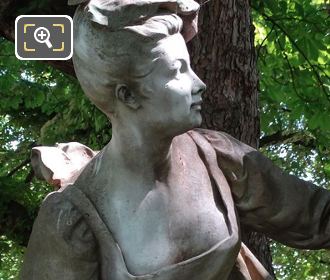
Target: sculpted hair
[104, 57]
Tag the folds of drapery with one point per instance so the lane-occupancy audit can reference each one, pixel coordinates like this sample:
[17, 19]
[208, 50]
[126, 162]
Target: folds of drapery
[290, 210]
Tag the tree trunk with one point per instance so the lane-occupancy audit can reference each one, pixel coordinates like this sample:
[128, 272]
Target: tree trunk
[223, 55]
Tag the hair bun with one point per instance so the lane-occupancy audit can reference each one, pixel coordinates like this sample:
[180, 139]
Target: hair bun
[118, 14]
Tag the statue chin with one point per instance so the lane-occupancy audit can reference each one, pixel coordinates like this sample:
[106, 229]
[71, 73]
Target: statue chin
[198, 121]
[194, 121]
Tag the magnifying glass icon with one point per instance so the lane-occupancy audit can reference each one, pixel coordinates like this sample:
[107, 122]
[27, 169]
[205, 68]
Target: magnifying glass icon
[41, 35]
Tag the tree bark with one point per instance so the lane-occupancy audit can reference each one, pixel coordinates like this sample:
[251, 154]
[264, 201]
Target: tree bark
[223, 55]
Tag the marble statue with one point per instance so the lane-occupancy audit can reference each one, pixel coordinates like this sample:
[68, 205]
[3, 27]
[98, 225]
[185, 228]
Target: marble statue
[163, 200]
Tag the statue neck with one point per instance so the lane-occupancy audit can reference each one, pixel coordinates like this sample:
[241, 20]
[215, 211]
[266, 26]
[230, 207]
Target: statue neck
[140, 152]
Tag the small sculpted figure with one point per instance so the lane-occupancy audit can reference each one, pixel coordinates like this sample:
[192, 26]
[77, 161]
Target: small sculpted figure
[163, 200]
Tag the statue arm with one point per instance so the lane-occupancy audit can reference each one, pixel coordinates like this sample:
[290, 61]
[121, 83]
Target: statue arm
[61, 245]
[286, 208]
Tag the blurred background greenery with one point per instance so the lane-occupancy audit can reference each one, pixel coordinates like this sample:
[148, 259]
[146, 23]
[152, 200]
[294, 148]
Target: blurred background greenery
[41, 106]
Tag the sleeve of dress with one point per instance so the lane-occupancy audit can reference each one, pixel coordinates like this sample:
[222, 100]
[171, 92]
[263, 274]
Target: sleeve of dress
[286, 208]
[61, 245]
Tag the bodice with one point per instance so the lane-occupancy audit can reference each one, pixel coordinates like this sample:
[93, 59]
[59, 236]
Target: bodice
[215, 263]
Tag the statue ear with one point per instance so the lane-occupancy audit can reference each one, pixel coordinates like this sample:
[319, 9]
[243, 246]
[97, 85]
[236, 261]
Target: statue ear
[126, 96]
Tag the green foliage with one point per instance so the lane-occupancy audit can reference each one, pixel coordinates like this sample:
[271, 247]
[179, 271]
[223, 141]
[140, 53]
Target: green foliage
[39, 106]
[11, 256]
[292, 42]
[308, 265]
[45, 105]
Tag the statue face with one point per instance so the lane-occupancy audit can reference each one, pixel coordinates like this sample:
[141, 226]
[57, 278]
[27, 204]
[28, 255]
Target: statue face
[172, 90]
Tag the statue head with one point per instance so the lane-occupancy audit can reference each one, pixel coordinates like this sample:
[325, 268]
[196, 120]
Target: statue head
[130, 58]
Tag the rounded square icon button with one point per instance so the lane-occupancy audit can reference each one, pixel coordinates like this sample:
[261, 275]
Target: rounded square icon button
[39, 37]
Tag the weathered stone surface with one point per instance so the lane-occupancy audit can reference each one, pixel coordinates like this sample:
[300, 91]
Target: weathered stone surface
[162, 200]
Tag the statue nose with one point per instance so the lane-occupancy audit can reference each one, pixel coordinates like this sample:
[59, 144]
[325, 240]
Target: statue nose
[199, 88]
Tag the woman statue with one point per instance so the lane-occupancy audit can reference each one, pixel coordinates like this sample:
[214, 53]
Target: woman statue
[162, 200]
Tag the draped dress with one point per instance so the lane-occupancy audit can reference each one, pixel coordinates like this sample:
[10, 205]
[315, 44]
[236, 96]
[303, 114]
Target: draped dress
[70, 240]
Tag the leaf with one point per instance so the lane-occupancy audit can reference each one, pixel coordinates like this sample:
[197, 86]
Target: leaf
[283, 6]
[315, 121]
[300, 9]
[327, 170]
[312, 50]
[272, 5]
[15, 101]
[39, 98]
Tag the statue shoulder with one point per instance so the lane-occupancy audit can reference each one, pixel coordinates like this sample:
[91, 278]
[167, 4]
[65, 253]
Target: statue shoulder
[224, 142]
[61, 243]
[215, 135]
[61, 222]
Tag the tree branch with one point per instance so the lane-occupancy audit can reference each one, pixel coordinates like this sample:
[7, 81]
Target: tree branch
[274, 22]
[276, 138]
[296, 138]
[292, 73]
[264, 40]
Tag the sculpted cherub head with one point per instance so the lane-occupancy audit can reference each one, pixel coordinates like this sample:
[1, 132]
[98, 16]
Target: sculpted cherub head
[131, 60]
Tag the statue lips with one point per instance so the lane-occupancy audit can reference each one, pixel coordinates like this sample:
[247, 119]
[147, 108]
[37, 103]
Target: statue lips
[197, 104]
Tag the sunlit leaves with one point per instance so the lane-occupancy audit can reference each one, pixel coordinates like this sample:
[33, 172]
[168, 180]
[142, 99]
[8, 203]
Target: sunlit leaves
[308, 265]
[39, 106]
[292, 40]
[10, 258]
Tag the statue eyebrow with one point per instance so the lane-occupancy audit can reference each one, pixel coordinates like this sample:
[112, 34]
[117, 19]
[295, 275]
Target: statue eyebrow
[150, 70]
[153, 65]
